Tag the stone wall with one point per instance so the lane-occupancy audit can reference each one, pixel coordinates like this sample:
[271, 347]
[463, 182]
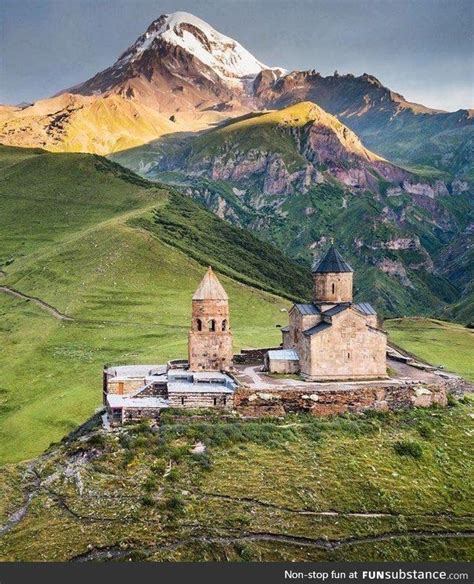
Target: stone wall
[253, 356]
[348, 349]
[210, 339]
[200, 400]
[332, 287]
[136, 414]
[324, 402]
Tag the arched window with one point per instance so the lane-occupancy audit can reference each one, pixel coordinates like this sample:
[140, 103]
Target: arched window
[199, 324]
[212, 325]
[224, 325]
[333, 288]
[295, 336]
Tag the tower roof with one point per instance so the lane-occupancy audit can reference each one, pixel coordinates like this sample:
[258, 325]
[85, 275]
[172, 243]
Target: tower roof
[332, 262]
[210, 288]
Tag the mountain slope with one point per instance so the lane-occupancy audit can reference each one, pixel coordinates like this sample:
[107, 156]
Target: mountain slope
[402, 131]
[77, 233]
[298, 176]
[284, 150]
[314, 489]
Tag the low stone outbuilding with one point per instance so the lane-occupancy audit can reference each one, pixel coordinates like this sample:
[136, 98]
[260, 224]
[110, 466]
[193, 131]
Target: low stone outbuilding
[282, 361]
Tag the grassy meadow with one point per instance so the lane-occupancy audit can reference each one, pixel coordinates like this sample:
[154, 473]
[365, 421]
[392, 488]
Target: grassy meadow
[437, 342]
[394, 486]
[122, 257]
[77, 247]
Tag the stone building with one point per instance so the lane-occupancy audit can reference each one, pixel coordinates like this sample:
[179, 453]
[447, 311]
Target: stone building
[133, 392]
[210, 337]
[334, 338]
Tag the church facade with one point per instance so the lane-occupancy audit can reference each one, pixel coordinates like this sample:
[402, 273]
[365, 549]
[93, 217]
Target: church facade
[333, 338]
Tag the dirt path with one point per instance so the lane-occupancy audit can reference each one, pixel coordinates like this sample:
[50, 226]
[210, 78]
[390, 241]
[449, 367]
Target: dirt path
[41, 303]
[116, 552]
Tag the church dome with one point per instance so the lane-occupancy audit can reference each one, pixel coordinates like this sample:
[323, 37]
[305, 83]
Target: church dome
[331, 263]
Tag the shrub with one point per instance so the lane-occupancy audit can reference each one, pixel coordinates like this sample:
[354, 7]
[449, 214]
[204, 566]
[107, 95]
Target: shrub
[150, 484]
[97, 440]
[128, 457]
[408, 448]
[452, 401]
[173, 475]
[174, 505]
[203, 459]
[425, 431]
[312, 432]
[147, 501]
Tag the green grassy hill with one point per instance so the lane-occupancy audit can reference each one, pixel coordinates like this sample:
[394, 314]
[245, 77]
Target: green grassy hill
[437, 342]
[79, 233]
[120, 258]
[376, 487]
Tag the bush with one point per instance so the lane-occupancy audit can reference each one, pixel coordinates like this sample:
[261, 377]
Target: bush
[408, 448]
[425, 431]
[150, 484]
[97, 440]
[128, 457]
[203, 459]
[452, 401]
[312, 432]
[175, 505]
[173, 475]
[147, 501]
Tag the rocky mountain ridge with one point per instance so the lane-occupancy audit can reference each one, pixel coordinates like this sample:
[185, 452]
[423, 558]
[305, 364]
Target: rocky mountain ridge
[191, 76]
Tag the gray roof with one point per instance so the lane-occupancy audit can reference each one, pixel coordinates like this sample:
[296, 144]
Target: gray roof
[336, 309]
[365, 308]
[124, 401]
[283, 355]
[306, 309]
[332, 262]
[183, 387]
[320, 327]
[285, 329]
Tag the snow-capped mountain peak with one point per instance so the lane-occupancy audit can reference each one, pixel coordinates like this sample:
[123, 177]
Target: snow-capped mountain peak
[222, 54]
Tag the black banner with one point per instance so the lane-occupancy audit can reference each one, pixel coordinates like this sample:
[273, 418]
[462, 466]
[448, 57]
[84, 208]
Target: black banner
[242, 573]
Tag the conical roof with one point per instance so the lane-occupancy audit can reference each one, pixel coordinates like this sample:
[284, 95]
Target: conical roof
[332, 262]
[210, 288]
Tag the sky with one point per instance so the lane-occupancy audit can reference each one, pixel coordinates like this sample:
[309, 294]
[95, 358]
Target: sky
[423, 49]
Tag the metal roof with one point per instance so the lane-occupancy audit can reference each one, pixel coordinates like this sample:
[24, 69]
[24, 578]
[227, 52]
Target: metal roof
[306, 309]
[336, 309]
[332, 262]
[123, 401]
[365, 308]
[184, 387]
[283, 355]
[322, 326]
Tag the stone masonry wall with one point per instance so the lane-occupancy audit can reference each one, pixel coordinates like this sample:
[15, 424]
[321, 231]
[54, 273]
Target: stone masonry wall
[333, 287]
[349, 349]
[324, 402]
[200, 400]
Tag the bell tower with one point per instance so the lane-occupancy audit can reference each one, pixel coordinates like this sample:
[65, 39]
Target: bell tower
[210, 337]
[332, 279]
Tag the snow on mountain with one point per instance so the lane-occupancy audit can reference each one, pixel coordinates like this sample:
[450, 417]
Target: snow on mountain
[222, 54]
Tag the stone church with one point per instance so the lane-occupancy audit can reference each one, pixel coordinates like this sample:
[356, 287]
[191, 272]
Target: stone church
[332, 338]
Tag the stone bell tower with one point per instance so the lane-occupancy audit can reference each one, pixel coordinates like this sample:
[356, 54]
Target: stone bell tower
[332, 278]
[210, 338]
